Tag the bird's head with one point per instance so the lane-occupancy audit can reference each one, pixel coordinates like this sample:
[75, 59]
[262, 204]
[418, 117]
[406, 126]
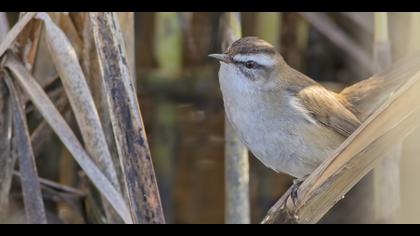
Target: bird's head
[251, 62]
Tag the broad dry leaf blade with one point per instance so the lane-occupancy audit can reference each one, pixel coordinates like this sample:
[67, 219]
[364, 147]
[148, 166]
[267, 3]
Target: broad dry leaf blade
[65, 59]
[130, 136]
[77, 90]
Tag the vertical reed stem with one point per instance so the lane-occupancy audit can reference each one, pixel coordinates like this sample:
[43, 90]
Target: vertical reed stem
[236, 154]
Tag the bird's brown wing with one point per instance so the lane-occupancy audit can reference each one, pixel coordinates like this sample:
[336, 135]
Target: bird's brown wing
[329, 109]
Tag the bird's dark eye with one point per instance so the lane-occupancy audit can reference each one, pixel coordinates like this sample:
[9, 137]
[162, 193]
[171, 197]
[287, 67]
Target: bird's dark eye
[250, 64]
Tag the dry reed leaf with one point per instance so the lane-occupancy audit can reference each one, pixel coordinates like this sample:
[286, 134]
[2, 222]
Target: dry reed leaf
[7, 160]
[60, 127]
[32, 197]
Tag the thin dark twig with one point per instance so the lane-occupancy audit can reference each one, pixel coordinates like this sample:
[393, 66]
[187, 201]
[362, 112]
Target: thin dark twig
[56, 186]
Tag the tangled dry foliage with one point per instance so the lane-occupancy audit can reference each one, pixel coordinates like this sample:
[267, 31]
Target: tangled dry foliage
[126, 181]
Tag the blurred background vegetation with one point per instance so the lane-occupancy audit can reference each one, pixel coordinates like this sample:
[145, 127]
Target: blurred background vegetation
[183, 113]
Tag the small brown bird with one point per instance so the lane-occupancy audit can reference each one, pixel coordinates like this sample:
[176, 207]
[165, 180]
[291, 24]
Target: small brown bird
[287, 120]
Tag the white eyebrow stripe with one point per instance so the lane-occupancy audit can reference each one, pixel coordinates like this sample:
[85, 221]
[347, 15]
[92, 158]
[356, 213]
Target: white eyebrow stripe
[259, 58]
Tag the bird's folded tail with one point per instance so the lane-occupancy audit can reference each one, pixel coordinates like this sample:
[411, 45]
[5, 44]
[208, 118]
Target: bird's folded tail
[367, 95]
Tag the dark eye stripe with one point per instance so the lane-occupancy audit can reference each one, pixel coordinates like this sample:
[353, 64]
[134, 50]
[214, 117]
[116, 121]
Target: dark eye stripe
[243, 63]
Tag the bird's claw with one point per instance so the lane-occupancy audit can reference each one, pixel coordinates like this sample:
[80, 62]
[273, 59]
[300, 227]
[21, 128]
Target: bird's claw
[294, 194]
[295, 190]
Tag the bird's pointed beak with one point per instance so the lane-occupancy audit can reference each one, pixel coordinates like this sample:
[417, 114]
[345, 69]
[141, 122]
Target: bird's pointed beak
[221, 57]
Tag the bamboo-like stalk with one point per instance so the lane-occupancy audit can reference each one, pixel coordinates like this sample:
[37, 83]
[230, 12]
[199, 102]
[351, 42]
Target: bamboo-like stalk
[127, 123]
[90, 66]
[168, 43]
[302, 33]
[237, 203]
[382, 46]
[414, 32]
[4, 26]
[327, 27]
[60, 127]
[168, 52]
[163, 147]
[386, 175]
[390, 123]
[381, 27]
[268, 27]
[32, 197]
